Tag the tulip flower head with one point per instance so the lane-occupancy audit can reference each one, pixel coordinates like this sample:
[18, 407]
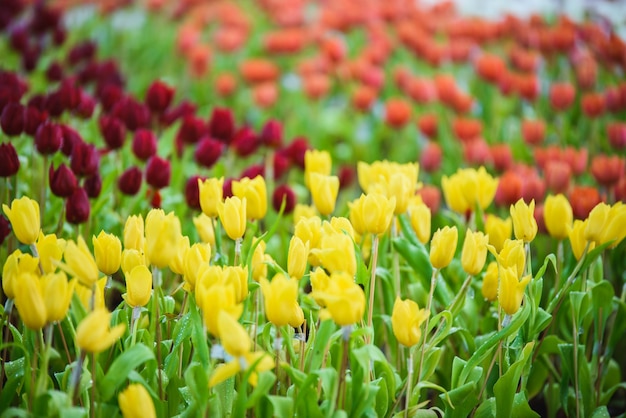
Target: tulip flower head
[232, 214]
[50, 250]
[204, 226]
[596, 222]
[195, 257]
[474, 252]
[16, 264]
[162, 233]
[316, 162]
[297, 257]
[443, 246]
[420, 217]
[511, 290]
[80, 263]
[254, 191]
[524, 223]
[57, 295]
[94, 333]
[108, 252]
[615, 226]
[134, 233]
[406, 321]
[281, 301]
[29, 301]
[558, 216]
[135, 402]
[324, 191]
[498, 230]
[491, 282]
[344, 300]
[25, 219]
[336, 253]
[214, 298]
[468, 188]
[211, 194]
[577, 238]
[138, 286]
[372, 213]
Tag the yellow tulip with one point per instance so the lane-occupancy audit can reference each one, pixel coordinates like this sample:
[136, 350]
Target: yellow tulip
[254, 191]
[303, 211]
[324, 190]
[259, 360]
[57, 295]
[558, 216]
[162, 234]
[50, 250]
[29, 301]
[237, 278]
[406, 321]
[467, 188]
[94, 333]
[513, 255]
[443, 246]
[213, 300]
[135, 402]
[420, 217]
[490, 282]
[499, 230]
[474, 252]
[309, 230]
[138, 286]
[25, 219]
[259, 261]
[524, 223]
[316, 162]
[211, 192]
[453, 194]
[204, 226]
[336, 253]
[577, 238]
[177, 263]
[80, 263]
[16, 264]
[281, 301]
[339, 225]
[132, 258]
[511, 290]
[343, 298]
[319, 283]
[297, 257]
[233, 216]
[615, 227]
[134, 233]
[596, 222]
[233, 336]
[196, 256]
[85, 295]
[372, 213]
[108, 252]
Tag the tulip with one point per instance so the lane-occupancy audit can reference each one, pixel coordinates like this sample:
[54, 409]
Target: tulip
[57, 294]
[615, 227]
[524, 223]
[491, 282]
[443, 246]
[29, 300]
[233, 336]
[558, 216]
[113, 131]
[12, 119]
[259, 260]
[196, 256]
[372, 213]
[596, 222]
[48, 138]
[85, 159]
[297, 257]
[237, 278]
[511, 290]
[62, 181]
[211, 195]
[338, 225]
[108, 252]
[135, 402]
[138, 286]
[162, 232]
[255, 193]
[134, 233]
[9, 162]
[343, 298]
[498, 230]
[77, 207]
[513, 255]
[474, 252]
[50, 250]
[144, 144]
[222, 124]
[177, 263]
[284, 193]
[215, 299]
[232, 213]
[577, 238]
[420, 217]
[94, 333]
[316, 162]
[336, 253]
[80, 263]
[324, 191]
[5, 229]
[16, 264]
[281, 301]
[158, 172]
[129, 181]
[406, 321]
[208, 151]
[25, 219]
[204, 227]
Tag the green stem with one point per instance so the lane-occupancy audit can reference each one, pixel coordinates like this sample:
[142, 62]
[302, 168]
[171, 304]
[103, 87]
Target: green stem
[409, 384]
[238, 242]
[92, 398]
[576, 383]
[277, 347]
[8, 311]
[43, 370]
[372, 287]
[75, 377]
[433, 283]
[344, 350]
[134, 324]
[156, 275]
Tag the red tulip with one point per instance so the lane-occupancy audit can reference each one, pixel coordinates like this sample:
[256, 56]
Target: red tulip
[427, 124]
[113, 131]
[208, 151]
[397, 112]
[85, 159]
[62, 181]
[5, 228]
[286, 194]
[533, 131]
[616, 131]
[48, 138]
[159, 96]
[9, 161]
[192, 193]
[77, 207]
[272, 134]
[192, 129]
[562, 95]
[501, 156]
[158, 172]
[509, 189]
[144, 144]
[93, 185]
[222, 124]
[296, 150]
[12, 119]
[430, 159]
[583, 199]
[129, 182]
[607, 170]
[431, 196]
[557, 175]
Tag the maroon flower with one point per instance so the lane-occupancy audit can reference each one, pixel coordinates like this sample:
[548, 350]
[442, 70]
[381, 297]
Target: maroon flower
[129, 182]
[48, 138]
[347, 175]
[158, 172]
[83, 51]
[159, 96]
[253, 171]
[86, 106]
[11, 88]
[286, 194]
[5, 228]
[77, 207]
[192, 194]
[33, 118]
[54, 72]
[38, 101]
[18, 38]
[85, 159]
[227, 188]
[12, 119]
[562, 95]
[44, 19]
[245, 142]
[144, 144]
[70, 137]
[222, 124]
[134, 114]
[69, 95]
[281, 165]
[184, 109]
[272, 134]
[30, 57]
[62, 181]
[502, 157]
[557, 175]
[109, 95]
[113, 131]
[208, 151]
[192, 129]
[9, 162]
[296, 150]
[93, 185]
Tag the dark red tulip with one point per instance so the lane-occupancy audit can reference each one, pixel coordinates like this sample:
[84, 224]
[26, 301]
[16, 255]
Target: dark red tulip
[48, 138]
[134, 114]
[12, 119]
[18, 38]
[430, 159]
[208, 151]
[33, 118]
[296, 150]
[37, 101]
[159, 96]
[70, 137]
[62, 181]
[5, 228]
[85, 159]
[110, 95]
[77, 207]
[113, 131]
[192, 194]
[427, 125]
[222, 124]
[286, 194]
[86, 106]
[347, 176]
[59, 36]
[272, 134]
[158, 172]
[192, 129]
[44, 19]
[30, 57]
[9, 161]
[281, 165]
[54, 104]
[171, 115]
[54, 72]
[144, 144]
[592, 104]
[245, 142]
[129, 182]
[12, 88]
[253, 171]
[84, 51]
[93, 185]
[227, 188]
[67, 97]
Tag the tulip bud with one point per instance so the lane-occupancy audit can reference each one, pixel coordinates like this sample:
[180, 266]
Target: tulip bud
[255, 192]
[222, 124]
[29, 301]
[431, 156]
[94, 333]
[491, 282]
[511, 290]
[286, 194]
[135, 402]
[474, 252]
[134, 233]
[50, 250]
[158, 172]
[336, 253]
[192, 192]
[208, 151]
[443, 246]
[558, 216]
[108, 252]
[93, 186]
[57, 294]
[615, 226]
[272, 134]
[25, 219]
[5, 229]
[159, 96]
[397, 112]
[596, 222]
[113, 132]
[372, 213]
[129, 182]
[62, 181]
[197, 256]
[324, 191]
[420, 217]
[232, 213]
[316, 162]
[85, 159]
[215, 299]
[577, 238]
[77, 207]
[204, 226]
[9, 162]
[12, 119]
[524, 223]
[162, 233]
[48, 138]
[144, 144]
[259, 260]
[297, 257]
[406, 321]
[513, 255]
[211, 195]
[498, 230]
[138, 286]
[237, 277]
[343, 298]
[281, 301]
[233, 336]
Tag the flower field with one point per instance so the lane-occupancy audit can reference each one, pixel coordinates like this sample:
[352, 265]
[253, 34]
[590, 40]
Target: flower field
[316, 209]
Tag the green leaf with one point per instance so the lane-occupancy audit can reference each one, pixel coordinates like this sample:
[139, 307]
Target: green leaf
[521, 407]
[198, 337]
[414, 254]
[320, 349]
[487, 409]
[121, 367]
[506, 386]
[601, 412]
[282, 407]
[464, 398]
[265, 382]
[198, 383]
